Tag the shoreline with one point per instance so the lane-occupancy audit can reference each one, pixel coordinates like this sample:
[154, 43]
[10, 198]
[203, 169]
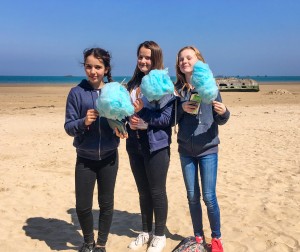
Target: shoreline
[279, 83]
[64, 84]
[37, 84]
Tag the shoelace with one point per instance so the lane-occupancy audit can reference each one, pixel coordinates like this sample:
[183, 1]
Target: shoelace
[143, 237]
[154, 241]
[87, 246]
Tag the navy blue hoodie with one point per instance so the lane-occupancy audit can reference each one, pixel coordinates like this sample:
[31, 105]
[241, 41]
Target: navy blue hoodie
[158, 115]
[97, 141]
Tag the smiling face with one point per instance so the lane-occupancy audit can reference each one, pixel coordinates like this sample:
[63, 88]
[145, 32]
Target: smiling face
[144, 62]
[186, 61]
[95, 71]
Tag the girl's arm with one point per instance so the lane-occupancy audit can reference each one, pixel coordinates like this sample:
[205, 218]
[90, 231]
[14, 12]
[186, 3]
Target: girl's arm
[74, 125]
[220, 112]
[158, 118]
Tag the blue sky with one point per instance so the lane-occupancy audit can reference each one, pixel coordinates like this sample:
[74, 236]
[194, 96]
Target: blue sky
[236, 37]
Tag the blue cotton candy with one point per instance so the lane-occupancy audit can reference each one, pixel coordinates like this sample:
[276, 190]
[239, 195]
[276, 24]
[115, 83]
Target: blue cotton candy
[204, 82]
[114, 102]
[156, 84]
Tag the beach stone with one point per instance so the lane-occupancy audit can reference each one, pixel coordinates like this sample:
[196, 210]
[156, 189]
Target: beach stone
[279, 92]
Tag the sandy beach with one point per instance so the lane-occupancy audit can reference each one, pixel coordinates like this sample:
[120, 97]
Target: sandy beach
[258, 178]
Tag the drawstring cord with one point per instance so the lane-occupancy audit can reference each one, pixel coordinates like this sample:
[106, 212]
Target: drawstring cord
[95, 107]
[175, 126]
[91, 92]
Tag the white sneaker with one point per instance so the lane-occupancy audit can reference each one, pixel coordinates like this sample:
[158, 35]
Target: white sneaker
[157, 244]
[140, 240]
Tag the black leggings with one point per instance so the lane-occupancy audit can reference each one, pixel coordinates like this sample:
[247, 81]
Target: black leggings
[86, 173]
[150, 173]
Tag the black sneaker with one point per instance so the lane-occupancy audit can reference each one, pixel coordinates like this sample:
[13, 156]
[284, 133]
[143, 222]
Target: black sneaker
[99, 249]
[87, 247]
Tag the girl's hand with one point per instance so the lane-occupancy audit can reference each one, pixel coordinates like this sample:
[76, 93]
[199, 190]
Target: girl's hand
[120, 135]
[219, 107]
[189, 106]
[138, 105]
[91, 116]
[134, 120]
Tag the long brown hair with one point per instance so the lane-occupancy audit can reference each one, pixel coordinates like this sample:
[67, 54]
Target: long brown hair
[156, 61]
[180, 77]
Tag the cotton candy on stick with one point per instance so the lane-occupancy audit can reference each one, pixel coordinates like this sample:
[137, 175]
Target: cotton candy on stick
[114, 103]
[204, 82]
[156, 84]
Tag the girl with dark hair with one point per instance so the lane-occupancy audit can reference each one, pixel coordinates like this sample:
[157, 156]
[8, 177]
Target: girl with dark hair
[96, 146]
[148, 147]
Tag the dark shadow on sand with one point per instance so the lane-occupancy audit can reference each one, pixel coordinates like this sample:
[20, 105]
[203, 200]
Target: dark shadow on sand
[61, 235]
[57, 234]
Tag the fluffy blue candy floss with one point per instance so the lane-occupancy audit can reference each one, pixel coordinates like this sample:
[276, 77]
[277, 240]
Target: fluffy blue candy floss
[156, 84]
[204, 82]
[114, 102]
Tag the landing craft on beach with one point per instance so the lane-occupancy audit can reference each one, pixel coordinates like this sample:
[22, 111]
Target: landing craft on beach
[237, 85]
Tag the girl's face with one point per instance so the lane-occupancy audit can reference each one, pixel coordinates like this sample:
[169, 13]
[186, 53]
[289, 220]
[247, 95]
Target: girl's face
[94, 70]
[186, 61]
[144, 60]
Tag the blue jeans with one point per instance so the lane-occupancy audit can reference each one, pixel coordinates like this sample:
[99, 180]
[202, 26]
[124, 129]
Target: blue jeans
[208, 167]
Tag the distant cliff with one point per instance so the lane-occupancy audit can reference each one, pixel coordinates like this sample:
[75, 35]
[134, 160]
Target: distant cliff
[236, 84]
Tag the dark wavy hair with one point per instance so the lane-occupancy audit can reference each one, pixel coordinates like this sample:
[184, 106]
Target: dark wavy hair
[156, 60]
[102, 55]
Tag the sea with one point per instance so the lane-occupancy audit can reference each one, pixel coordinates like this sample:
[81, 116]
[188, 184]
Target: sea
[73, 80]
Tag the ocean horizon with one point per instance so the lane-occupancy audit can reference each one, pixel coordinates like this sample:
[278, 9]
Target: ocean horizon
[74, 80]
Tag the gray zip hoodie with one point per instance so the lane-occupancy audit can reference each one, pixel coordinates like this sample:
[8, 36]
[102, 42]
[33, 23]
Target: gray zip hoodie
[198, 134]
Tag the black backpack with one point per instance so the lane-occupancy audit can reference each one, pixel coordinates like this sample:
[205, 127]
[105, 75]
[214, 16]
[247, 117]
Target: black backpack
[189, 244]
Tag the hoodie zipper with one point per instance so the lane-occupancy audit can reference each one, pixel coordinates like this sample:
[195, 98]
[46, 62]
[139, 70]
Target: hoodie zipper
[200, 113]
[99, 129]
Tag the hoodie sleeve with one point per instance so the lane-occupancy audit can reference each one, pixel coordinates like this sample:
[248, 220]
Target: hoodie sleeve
[177, 111]
[221, 119]
[158, 118]
[74, 125]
